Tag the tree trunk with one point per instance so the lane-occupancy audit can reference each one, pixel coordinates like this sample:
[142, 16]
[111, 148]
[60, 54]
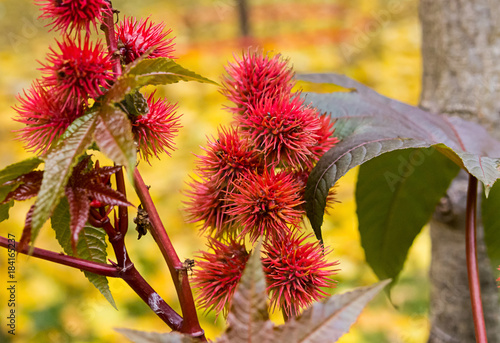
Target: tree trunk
[461, 77]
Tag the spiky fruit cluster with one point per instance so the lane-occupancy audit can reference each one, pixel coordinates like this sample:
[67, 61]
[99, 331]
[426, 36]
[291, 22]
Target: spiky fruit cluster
[250, 183]
[79, 72]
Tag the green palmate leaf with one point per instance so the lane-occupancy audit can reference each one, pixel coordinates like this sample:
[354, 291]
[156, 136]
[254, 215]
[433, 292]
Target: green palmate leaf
[59, 163]
[156, 337]
[17, 169]
[491, 221]
[155, 71]
[4, 210]
[371, 124]
[113, 135]
[248, 319]
[396, 195]
[328, 320]
[91, 245]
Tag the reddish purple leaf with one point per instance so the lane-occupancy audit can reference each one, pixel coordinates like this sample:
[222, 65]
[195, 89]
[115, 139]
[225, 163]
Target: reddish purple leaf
[79, 206]
[28, 186]
[26, 235]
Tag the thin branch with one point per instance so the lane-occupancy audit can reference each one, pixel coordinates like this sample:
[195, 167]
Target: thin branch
[177, 269]
[108, 26]
[122, 210]
[134, 279]
[70, 261]
[472, 268]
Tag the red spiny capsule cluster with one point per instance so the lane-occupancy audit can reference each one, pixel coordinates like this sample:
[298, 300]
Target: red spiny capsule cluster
[266, 205]
[81, 69]
[69, 15]
[137, 37]
[154, 131]
[251, 180]
[297, 272]
[78, 73]
[218, 273]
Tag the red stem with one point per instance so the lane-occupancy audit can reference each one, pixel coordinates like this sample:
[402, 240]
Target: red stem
[70, 261]
[108, 26]
[177, 269]
[133, 278]
[472, 269]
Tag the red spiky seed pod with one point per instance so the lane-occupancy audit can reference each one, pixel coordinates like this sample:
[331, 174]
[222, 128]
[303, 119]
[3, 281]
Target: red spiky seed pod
[255, 77]
[296, 271]
[81, 69]
[45, 116]
[283, 129]
[69, 15]
[217, 273]
[266, 205]
[227, 157]
[136, 37]
[155, 131]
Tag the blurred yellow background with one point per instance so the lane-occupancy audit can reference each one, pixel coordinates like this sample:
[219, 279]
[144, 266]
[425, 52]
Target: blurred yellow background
[375, 42]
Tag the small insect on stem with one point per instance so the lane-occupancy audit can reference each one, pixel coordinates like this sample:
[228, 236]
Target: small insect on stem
[188, 265]
[142, 222]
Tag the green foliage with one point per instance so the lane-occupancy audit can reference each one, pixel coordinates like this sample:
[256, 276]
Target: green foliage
[381, 125]
[4, 210]
[491, 222]
[396, 195]
[59, 163]
[113, 135]
[17, 169]
[91, 245]
[155, 71]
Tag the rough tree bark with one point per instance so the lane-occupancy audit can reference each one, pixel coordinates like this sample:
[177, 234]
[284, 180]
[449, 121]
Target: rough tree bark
[461, 73]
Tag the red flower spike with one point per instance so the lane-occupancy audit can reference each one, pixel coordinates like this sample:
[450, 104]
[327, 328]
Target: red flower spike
[217, 273]
[45, 116]
[208, 204]
[296, 271]
[266, 205]
[80, 71]
[69, 15]
[228, 157]
[154, 132]
[256, 77]
[283, 129]
[136, 37]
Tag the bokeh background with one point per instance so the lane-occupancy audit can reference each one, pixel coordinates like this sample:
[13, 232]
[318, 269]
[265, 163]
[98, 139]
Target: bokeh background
[375, 42]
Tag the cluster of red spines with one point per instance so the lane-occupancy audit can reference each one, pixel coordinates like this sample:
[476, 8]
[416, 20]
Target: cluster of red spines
[255, 77]
[296, 272]
[218, 273]
[251, 181]
[266, 205]
[154, 131]
[284, 129]
[137, 37]
[45, 116]
[69, 15]
[81, 70]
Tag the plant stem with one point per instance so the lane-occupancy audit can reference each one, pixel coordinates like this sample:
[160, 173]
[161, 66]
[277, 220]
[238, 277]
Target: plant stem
[177, 269]
[122, 210]
[108, 26]
[134, 279]
[472, 268]
[70, 261]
